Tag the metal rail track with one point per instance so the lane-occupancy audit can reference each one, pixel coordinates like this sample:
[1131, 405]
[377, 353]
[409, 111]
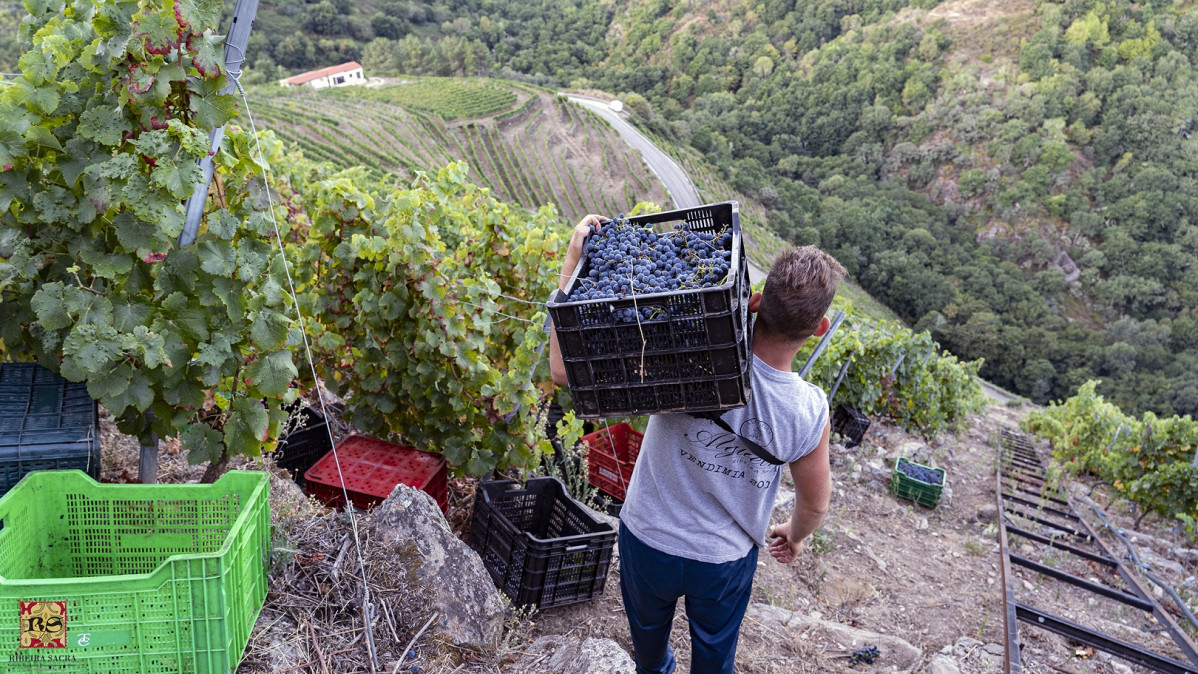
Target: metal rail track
[1022, 491]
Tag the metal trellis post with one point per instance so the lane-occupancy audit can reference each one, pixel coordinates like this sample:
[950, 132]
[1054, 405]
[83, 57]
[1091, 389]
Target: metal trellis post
[235, 45]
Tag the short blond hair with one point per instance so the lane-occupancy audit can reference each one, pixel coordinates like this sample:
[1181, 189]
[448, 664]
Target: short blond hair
[798, 291]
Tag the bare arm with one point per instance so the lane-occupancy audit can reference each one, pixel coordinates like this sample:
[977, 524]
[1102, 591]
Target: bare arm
[813, 491]
[557, 367]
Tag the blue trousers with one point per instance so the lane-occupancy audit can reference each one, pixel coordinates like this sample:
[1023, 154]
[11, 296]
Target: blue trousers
[717, 595]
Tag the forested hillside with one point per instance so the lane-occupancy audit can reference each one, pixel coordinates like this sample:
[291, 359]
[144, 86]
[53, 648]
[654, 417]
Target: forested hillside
[1018, 178]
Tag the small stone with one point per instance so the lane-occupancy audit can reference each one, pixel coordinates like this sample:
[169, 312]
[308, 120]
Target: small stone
[986, 513]
[995, 649]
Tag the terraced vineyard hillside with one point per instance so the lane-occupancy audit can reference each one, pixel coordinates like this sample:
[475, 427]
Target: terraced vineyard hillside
[529, 146]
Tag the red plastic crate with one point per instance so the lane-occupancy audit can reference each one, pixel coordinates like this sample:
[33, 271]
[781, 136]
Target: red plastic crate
[611, 455]
[372, 468]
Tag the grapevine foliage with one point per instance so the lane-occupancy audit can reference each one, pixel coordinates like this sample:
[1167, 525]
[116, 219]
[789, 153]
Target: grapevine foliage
[1147, 461]
[930, 391]
[418, 295]
[99, 138]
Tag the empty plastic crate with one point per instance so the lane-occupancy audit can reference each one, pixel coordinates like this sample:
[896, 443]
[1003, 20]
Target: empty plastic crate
[540, 546]
[692, 356]
[46, 423]
[305, 444]
[372, 469]
[143, 579]
[611, 456]
[850, 425]
[923, 492]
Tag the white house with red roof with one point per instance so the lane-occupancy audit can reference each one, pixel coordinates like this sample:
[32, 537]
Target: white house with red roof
[333, 76]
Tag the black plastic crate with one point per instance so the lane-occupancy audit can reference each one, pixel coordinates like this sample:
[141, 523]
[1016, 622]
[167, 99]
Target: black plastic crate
[850, 425]
[46, 423]
[540, 546]
[693, 355]
[307, 442]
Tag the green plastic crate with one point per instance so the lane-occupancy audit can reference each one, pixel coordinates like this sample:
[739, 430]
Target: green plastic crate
[923, 493]
[154, 578]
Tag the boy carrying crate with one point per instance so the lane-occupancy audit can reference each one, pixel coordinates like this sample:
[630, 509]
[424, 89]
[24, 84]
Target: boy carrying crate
[703, 489]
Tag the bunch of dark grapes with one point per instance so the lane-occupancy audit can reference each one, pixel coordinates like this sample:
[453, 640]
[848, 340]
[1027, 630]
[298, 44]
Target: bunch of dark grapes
[866, 655]
[920, 473]
[623, 259]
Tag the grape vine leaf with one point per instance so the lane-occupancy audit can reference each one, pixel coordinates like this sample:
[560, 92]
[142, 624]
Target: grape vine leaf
[247, 427]
[216, 352]
[51, 305]
[232, 294]
[93, 347]
[148, 345]
[272, 374]
[210, 54]
[13, 125]
[268, 329]
[138, 394]
[209, 107]
[126, 316]
[107, 265]
[199, 14]
[159, 29]
[79, 155]
[112, 383]
[179, 178]
[42, 100]
[42, 138]
[135, 234]
[103, 123]
[217, 257]
[202, 442]
[38, 66]
[222, 224]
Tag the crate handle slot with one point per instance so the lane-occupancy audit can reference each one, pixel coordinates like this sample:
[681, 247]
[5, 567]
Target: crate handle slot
[577, 548]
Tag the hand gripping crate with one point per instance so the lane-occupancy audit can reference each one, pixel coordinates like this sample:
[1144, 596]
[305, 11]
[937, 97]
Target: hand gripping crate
[539, 545]
[850, 425]
[46, 423]
[611, 456]
[372, 469]
[124, 579]
[924, 492]
[692, 356]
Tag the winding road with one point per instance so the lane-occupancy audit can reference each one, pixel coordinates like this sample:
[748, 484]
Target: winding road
[675, 180]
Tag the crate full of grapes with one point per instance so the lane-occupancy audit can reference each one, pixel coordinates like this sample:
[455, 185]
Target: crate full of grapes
[916, 482]
[656, 318]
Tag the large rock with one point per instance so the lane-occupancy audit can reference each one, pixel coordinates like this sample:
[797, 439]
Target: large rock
[915, 451]
[942, 664]
[567, 655]
[453, 577]
[894, 651]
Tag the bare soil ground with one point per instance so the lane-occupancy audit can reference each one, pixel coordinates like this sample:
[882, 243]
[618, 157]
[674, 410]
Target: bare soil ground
[883, 565]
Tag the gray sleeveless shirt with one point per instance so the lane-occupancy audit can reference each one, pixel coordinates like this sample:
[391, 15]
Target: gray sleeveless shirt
[697, 492]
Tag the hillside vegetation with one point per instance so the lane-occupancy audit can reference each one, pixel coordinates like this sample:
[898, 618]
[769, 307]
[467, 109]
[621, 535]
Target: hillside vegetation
[1013, 177]
[1016, 177]
[529, 147]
